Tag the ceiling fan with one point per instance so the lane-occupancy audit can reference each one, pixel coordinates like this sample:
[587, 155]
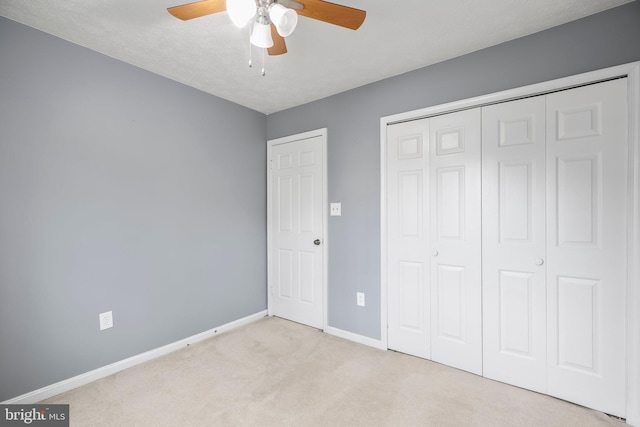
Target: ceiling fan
[272, 19]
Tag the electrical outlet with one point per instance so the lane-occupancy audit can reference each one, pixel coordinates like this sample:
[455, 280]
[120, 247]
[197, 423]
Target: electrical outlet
[336, 209]
[360, 299]
[106, 320]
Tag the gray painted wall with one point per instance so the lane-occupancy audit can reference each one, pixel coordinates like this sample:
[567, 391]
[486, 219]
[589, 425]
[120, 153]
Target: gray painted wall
[353, 122]
[119, 190]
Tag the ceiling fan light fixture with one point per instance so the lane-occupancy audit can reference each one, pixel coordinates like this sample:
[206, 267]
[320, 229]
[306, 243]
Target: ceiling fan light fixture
[261, 35]
[271, 21]
[283, 18]
[241, 11]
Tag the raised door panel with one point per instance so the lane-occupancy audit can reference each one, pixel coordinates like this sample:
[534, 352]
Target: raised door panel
[410, 204]
[451, 303]
[515, 203]
[306, 204]
[407, 238]
[411, 297]
[283, 193]
[579, 203]
[454, 167]
[516, 314]
[513, 243]
[284, 273]
[586, 233]
[450, 193]
[578, 324]
[307, 280]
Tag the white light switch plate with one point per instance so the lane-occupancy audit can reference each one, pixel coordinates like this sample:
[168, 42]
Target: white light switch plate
[336, 209]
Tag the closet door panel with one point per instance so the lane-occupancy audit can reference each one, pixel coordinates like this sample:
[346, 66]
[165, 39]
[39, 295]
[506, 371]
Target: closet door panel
[586, 234]
[407, 238]
[456, 306]
[513, 243]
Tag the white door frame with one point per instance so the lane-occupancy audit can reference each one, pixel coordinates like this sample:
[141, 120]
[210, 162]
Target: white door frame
[325, 244]
[632, 72]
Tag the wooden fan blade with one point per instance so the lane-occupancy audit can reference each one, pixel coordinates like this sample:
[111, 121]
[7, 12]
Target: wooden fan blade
[279, 47]
[198, 9]
[332, 13]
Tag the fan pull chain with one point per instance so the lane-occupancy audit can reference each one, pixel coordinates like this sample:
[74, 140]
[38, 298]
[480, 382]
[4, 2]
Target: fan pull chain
[263, 63]
[250, 62]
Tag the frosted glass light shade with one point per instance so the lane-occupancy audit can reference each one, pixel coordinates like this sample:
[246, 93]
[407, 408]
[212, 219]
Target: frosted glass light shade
[241, 11]
[261, 35]
[283, 18]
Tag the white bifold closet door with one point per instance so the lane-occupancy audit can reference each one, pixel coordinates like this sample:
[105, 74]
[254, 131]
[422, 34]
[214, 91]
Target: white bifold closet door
[408, 293]
[587, 182]
[514, 243]
[554, 244]
[456, 275]
[433, 239]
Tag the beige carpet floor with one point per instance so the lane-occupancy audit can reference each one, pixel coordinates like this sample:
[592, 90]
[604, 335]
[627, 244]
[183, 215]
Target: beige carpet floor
[278, 373]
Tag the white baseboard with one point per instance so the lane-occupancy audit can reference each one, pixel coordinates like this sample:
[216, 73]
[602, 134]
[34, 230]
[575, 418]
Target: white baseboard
[82, 379]
[361, 339]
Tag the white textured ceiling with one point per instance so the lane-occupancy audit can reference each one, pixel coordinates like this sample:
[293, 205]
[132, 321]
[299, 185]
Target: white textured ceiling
[210, 54]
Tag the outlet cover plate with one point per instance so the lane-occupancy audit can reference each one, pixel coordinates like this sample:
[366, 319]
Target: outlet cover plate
[360, 299]
[336, 209]
[106, 320]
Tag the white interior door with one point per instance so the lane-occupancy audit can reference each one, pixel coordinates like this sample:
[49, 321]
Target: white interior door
[455, 246]
[587, 242]
[296, 228]
[407, 238]
[514, 243]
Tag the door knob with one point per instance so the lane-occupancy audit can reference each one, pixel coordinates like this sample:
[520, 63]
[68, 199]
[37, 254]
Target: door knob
[539, 261]
[316, 242]
[434, 253]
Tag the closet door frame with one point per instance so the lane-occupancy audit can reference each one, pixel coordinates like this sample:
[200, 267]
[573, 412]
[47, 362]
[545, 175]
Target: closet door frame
[632, 72]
